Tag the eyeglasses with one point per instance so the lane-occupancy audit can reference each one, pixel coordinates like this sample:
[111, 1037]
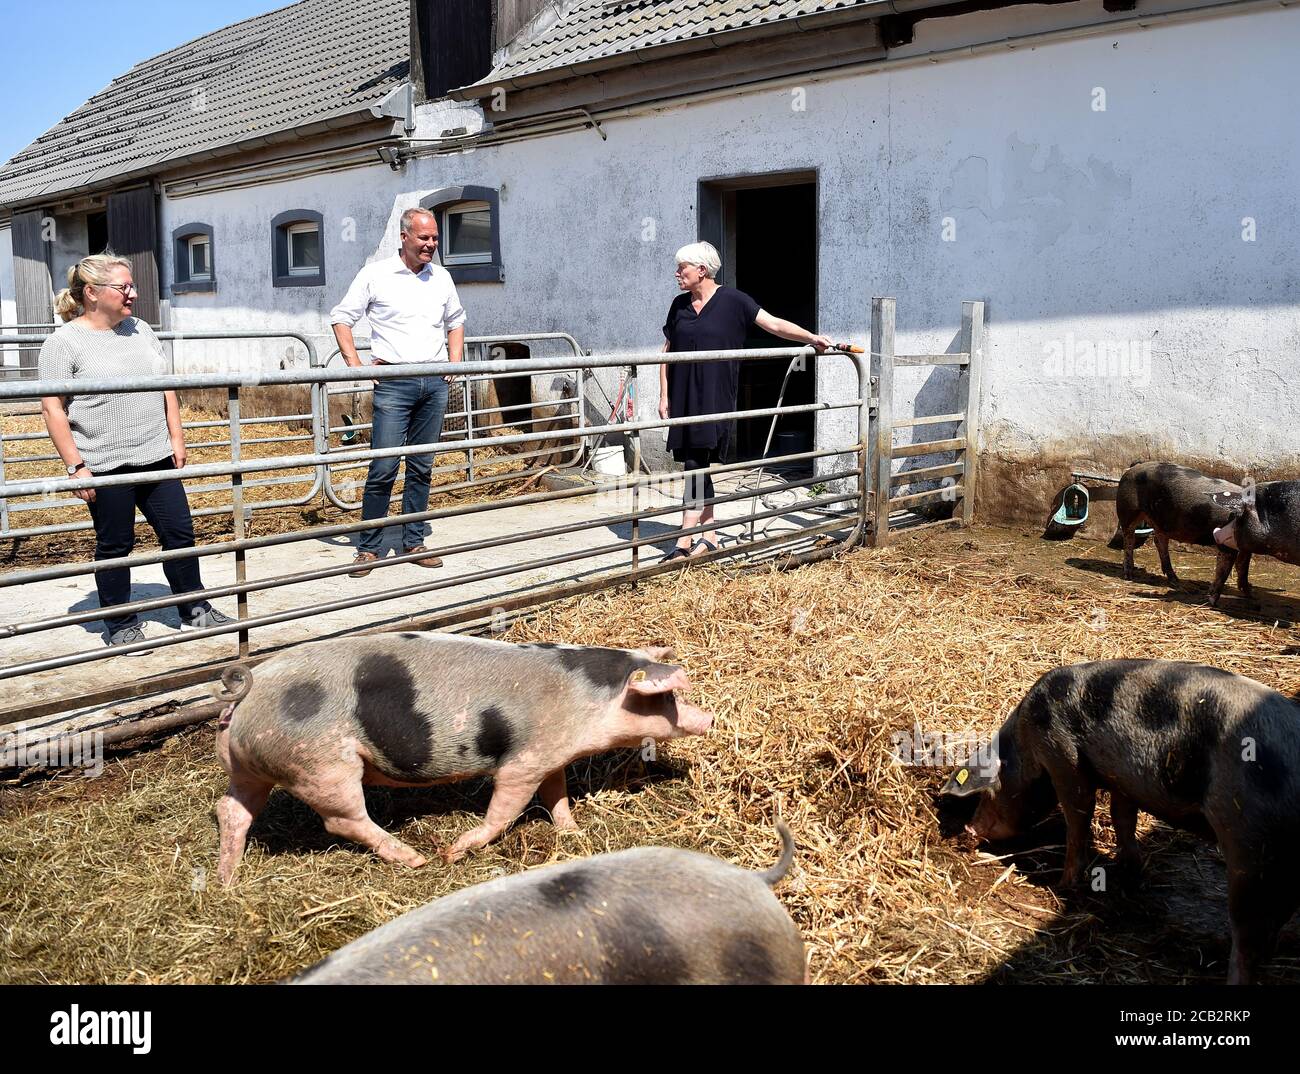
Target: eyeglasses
[125, 288]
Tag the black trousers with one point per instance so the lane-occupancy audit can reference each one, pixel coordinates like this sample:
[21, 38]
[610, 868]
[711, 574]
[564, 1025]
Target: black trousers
[166, 509]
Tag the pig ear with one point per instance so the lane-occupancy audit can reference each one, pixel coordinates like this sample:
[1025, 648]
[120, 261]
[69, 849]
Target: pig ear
[658, 679]
[659, 652]
[966, 781]
[982, 772]
[1228, 499]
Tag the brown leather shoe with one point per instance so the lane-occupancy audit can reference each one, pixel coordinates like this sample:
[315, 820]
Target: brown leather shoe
[363, 557]
[428, 561]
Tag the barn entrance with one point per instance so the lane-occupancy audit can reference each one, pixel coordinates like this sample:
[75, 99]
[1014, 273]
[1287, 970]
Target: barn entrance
[765, 228]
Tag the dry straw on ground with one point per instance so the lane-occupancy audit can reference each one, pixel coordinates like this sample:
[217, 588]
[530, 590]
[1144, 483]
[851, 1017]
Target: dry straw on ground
[811, 673]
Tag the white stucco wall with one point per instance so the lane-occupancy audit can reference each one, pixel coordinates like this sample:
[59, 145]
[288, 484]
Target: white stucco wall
[1116, 228]
[1107, 228]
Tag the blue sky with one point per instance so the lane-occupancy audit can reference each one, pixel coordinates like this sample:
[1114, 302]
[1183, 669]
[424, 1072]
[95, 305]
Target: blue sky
[57, 56]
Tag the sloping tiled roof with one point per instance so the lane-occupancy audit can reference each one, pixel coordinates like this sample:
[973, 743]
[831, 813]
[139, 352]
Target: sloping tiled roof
[590, 30]
[311, 61]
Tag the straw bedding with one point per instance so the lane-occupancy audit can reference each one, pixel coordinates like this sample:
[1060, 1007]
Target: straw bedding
[811, 673]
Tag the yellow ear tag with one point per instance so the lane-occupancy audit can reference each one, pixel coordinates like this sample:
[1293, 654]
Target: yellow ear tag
[638, 676]
[962, 777]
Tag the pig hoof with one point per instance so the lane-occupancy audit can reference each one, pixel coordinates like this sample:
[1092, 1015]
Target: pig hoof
[566, 824]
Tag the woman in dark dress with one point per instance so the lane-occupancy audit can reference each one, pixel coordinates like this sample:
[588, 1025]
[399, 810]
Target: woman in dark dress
[707, 317]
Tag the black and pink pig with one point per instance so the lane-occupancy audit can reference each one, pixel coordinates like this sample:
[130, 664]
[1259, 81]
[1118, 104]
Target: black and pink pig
[415, 709]
[1264, 520]
[1202, 749]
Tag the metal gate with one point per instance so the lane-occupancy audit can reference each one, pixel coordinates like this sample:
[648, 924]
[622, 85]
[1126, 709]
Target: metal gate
[836, 499]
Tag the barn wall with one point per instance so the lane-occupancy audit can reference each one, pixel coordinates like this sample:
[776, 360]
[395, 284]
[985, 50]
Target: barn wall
[1117, 231]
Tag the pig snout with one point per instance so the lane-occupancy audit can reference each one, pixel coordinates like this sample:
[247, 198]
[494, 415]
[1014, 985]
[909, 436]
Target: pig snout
[692, 720]
[1227, 535]
[990, 823]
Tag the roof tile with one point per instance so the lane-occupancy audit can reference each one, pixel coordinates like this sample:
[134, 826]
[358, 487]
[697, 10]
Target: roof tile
[596, 29]
[288, 68]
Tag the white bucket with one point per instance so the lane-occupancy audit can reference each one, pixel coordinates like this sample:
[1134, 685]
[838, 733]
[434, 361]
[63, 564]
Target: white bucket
[609, 460]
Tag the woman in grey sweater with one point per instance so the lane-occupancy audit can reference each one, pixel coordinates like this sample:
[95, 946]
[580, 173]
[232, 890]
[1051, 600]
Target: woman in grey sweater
[120, 433]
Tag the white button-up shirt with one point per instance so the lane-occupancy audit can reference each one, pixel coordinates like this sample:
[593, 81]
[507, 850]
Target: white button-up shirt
[410, 313]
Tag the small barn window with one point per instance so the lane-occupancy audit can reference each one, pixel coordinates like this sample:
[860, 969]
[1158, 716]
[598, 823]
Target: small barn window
[469, 221]
[199, 247]
[193, 270]
[298, 251]
[467, 228]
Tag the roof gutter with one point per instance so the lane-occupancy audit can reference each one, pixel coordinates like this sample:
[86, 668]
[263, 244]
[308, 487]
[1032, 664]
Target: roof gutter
[579, 119]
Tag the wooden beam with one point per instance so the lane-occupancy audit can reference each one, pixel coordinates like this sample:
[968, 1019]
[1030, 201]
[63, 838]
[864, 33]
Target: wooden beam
[933, 419]
[925, 473]
[928, 496]
[931, 359]
[930, 447]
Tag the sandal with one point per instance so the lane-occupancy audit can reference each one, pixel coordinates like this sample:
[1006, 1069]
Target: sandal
[677, 553]
[709, 546]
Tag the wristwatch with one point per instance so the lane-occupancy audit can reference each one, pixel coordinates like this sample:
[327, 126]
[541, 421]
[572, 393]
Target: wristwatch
[72, 470]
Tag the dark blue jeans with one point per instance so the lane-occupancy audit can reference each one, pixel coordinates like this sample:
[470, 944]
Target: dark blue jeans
[408, 410]
[166, 509]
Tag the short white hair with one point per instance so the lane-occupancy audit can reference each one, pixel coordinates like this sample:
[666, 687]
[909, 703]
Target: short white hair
[408, 217]
[701, 253]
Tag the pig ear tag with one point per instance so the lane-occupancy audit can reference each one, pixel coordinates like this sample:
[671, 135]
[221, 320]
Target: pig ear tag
[969, 779]
[638, 676]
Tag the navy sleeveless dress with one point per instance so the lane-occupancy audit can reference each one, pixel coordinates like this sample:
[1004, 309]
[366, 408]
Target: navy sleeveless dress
[698, 388]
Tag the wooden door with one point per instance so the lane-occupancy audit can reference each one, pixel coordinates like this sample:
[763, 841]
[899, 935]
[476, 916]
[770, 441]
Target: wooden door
[33, 294]
[133, 233]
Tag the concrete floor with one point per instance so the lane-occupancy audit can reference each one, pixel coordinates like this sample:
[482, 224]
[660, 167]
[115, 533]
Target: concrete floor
[58, 597]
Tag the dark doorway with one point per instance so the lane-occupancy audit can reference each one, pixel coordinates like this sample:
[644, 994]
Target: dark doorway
[96, 233]
[765, 227]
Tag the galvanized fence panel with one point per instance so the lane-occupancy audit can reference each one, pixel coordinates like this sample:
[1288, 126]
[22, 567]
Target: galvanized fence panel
[459, 423]
[320, 433]
[55, 502]
[846, 512]
[23, 366]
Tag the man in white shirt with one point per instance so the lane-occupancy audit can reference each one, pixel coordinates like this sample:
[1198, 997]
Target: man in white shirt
[415, 317]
